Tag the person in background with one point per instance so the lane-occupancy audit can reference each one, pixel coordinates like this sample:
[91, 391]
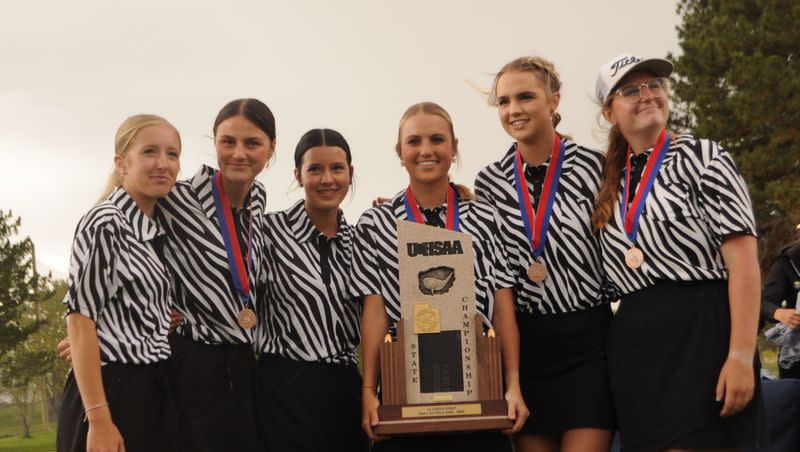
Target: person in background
[783, 286]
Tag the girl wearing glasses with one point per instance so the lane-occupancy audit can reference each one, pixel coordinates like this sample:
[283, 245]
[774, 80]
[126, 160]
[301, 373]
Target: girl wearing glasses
[543, 191]
[678, 244]
[427, 147]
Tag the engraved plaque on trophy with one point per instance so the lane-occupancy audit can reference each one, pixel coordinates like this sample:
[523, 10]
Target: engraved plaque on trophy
[442, 374]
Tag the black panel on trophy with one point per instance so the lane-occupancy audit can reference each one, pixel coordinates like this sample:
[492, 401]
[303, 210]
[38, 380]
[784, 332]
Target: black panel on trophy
[440, 368]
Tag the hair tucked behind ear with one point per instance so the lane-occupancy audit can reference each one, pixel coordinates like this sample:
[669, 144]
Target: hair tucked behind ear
[126, 133]
[609, 189]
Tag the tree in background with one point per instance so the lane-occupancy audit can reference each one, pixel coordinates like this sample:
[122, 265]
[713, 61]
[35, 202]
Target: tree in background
[23, 357]
[53, 371]
[738, 83]
[19, 285]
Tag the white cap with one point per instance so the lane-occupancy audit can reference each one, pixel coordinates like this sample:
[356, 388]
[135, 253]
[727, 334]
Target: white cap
[612, 72]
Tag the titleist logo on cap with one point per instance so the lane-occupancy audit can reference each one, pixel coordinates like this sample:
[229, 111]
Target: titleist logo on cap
[621, 63]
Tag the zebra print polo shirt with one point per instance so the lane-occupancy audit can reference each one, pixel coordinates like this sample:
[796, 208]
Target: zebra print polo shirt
[117, 280]
[697, 199]
[571, 251]
[308, 313]
[195, 251]
[375, 268]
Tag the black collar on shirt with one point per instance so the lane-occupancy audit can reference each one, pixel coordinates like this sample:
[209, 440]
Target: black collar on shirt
[144, 228]
[302, 227]
[508, 161]
[399, 207]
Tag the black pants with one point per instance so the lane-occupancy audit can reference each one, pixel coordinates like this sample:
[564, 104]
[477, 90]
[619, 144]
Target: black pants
[310, 406]
[214, 391]
[141, 407]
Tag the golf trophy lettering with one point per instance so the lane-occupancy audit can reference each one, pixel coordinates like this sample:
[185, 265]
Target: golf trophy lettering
[442, 374]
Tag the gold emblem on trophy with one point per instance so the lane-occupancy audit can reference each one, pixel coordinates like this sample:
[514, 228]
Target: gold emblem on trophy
[426, 319]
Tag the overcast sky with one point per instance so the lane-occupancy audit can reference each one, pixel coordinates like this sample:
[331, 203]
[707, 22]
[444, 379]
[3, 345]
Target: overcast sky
[72, 71]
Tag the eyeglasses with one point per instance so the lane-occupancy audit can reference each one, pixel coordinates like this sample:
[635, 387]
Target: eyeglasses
[633, 92]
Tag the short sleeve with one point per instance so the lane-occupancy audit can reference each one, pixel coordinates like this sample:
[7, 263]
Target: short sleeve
[725, 198]
[91, 281]
[364, 268]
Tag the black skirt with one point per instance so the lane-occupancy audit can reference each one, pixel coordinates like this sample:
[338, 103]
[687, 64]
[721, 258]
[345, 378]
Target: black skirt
[564, 371]
[214, 387]
[666, 349]
[461, 442]
[310, 406]
[141, 407]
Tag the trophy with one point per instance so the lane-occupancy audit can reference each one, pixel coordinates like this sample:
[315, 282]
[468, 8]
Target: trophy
[442, 374]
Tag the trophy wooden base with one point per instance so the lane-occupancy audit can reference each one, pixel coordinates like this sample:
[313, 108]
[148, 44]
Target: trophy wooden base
[489, 412]
[493, 416]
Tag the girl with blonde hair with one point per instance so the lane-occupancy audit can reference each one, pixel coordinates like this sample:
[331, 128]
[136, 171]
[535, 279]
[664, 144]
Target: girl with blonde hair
[543, 190]
[427, 146]
[119, 301]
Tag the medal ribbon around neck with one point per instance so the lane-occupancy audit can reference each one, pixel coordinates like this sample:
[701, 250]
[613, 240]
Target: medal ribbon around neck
[631, 216]
[228, 229]
[453, 221]
[536, 225]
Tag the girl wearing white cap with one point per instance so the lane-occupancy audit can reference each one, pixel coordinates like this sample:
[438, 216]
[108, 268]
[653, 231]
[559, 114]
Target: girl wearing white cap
[678, 243]
[543, 190]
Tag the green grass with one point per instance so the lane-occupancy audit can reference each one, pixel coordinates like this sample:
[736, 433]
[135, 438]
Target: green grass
[769, 355]
[11, 431]
[41, 442]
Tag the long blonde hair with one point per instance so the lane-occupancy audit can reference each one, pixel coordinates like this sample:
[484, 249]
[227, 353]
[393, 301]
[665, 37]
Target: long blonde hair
[431, 108]
[126, 133]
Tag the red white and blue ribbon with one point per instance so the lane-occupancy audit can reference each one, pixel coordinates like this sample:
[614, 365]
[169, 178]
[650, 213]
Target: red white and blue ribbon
[453, 221]
[536, 225]
[228, 229]
[630, 216]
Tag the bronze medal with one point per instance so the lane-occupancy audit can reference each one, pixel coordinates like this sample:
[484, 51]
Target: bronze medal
[634, 257]
[246, 318]
[537, 272]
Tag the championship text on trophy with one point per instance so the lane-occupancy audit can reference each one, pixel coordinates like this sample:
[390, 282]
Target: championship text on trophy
[442, 374]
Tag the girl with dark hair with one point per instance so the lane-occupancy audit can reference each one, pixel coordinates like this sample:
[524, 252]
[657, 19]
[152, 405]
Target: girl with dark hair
[308, 379]
[678, 243]
[216, 221]
[427, 146]
[543, 190]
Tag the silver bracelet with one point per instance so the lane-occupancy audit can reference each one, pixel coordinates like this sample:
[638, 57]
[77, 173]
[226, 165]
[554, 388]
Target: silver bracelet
[86, 411]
